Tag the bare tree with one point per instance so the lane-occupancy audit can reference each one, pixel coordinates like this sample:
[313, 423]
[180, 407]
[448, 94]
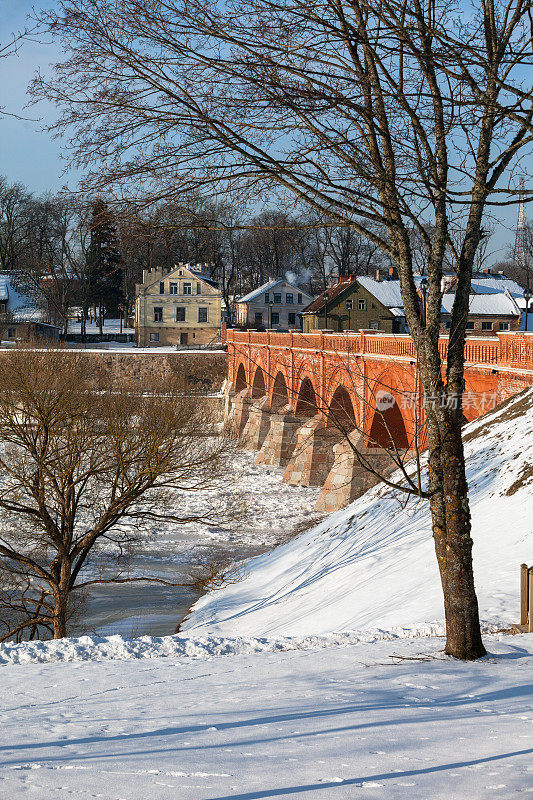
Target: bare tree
[10, 47]
[352, 253]
[15, 224]
[77, 462]
[385, 116]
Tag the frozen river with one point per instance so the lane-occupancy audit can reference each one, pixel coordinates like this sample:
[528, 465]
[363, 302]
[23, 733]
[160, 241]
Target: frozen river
[273, 511]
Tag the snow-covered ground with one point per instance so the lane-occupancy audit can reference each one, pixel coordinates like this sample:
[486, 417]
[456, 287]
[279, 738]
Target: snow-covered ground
[110, 326]
[342, 723]
[373, 564]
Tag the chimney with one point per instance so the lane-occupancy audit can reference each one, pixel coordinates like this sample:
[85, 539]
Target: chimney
[393, 274]
[378, 275]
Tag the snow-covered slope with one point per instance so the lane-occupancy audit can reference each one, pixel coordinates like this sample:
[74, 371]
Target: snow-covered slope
[372, 565]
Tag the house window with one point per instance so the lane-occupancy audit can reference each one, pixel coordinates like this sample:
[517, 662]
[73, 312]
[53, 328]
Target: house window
[503, 326]
[162, 287]
[374, 325]
[158, 314]
[361, 304]
[180, 313]
[289, 299]
[198, 288]
[292, 318]
[300, 299]
[173, 288]
[274, 318]
[448, 324]
[154, 337]
[11, 333]
[267, 298]
[258, 318]
[3, 307]
[486, 326]
[277, 298]
[187, 288]
[202, 315]
[470, 325]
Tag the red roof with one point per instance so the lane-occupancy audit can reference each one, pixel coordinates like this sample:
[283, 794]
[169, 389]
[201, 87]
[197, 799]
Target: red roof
[333, 292]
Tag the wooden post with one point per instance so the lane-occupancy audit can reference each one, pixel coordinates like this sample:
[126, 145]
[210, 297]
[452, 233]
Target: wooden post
[530, 609]
[524, 587]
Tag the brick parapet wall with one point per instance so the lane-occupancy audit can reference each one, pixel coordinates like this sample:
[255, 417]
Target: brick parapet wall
[508, 349]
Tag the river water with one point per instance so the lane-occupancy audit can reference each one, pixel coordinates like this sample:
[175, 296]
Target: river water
[274, 511]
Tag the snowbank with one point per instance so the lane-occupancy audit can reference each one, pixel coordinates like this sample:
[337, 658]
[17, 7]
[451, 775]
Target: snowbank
[117, 648]
[372, 565]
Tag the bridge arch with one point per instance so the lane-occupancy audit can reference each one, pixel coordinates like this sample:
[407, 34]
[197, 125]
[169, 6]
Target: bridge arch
[391, 415]
[280, 392]
[306, 402]
[258, 385]
[341, 412]
[240, 379]
[388, 426]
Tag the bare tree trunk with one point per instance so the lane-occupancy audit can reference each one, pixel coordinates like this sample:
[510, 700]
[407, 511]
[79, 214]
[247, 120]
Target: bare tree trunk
[61, 595]
[60, 615]
[451, 525]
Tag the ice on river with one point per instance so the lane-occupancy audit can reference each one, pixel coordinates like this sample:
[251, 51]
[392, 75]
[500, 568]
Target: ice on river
[165, 550]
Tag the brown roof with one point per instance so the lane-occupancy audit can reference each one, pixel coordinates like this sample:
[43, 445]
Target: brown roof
[333, 292]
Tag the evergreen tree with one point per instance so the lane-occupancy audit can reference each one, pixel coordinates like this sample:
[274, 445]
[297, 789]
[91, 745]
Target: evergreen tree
[104, 267]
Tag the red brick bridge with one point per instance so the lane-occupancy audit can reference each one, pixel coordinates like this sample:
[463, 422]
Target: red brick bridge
[289, 395]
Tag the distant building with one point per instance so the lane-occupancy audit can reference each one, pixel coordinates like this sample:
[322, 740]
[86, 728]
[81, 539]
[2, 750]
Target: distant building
[494, 305]
[357, 303]
[178, 306]
[276, 305]
[21, 318]
[364, 303]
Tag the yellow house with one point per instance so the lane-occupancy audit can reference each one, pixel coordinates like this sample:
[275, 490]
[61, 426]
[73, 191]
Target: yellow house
[178, 306]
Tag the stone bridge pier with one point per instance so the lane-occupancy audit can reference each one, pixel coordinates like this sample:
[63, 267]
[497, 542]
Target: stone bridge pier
[325, 405]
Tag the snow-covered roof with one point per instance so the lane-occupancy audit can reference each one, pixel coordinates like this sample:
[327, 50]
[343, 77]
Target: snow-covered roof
[268, 287]
[491, 295]
[22, 306]
[28, 314]
[488, 284]
[493, 304]
[386, 292]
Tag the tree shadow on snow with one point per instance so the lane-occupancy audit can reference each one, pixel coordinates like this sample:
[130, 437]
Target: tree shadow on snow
[383, 776]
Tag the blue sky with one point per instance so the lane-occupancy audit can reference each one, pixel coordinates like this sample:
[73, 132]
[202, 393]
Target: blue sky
[33, 157]
[27, 154]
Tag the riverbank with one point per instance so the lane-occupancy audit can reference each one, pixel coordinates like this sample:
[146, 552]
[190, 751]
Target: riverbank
[274, 511]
